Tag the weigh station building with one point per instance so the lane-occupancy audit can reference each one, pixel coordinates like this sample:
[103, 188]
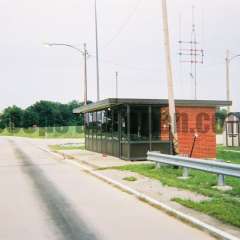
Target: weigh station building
[129, 128]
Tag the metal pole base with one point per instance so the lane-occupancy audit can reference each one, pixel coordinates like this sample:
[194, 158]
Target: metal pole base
[158, 165]
[221, 181]
[185, 175]
[221, 184]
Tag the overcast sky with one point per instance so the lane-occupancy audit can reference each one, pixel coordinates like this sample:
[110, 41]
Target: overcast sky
[131, 42]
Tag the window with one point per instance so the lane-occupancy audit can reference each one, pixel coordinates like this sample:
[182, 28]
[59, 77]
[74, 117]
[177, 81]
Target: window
[104, 124]
[139, 123]
[115, 125]
[124, 123]
[90, 119]
[109, 123]
[94, 124]
[230, 128]
[99, 125]
[86, 122]
[156, 122]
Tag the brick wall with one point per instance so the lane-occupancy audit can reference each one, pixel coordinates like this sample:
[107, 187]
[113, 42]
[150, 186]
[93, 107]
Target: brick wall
[191, 121]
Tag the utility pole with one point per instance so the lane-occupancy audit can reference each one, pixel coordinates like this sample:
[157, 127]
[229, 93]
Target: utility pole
[116, 84]
[85, 55]
[228, 78]
[171, 101]
[229, 59]
[97, 52]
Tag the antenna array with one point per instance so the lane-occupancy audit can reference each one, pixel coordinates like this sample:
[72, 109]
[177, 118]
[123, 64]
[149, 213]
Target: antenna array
[190, 52]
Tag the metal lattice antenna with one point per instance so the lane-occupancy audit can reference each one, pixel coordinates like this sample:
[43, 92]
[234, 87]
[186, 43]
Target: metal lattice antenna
[190, 53]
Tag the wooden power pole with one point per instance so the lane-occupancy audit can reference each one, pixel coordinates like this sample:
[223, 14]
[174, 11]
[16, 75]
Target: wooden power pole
[171, 101]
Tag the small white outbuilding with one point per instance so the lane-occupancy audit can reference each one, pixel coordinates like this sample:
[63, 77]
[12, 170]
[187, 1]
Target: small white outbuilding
[231, 134]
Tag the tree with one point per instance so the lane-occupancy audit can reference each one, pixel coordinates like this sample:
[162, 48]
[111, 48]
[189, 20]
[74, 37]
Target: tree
[12, 117]
[2, 126]
[76, 120]
[221, 115]
[30, 118]
[47, 112]
[42, 114]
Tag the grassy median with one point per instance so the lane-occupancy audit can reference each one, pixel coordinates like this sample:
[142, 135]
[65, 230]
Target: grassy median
[231, 155]
[49, 132]
[66, 147]
[224, 206]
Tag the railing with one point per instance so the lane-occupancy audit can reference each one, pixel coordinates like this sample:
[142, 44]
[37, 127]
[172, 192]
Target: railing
[218, 167]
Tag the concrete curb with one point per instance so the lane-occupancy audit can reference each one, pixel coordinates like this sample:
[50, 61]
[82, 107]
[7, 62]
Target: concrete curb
[179, 215]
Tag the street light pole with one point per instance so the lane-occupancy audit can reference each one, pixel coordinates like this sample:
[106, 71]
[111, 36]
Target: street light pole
[85, 72]
[227, 78]
[116, 84]
[171, 101]
[85, 55]
[97, 50]
[228, 85]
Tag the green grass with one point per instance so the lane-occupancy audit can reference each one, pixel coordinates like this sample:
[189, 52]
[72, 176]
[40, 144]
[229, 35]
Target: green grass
[224, 210]
[224, 206]
[50, 132]
[221, 147]
[228, 156]
[62, 147]
[130, 179]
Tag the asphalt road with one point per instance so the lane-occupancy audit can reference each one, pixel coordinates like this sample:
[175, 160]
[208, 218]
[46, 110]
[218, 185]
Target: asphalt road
[46, 198]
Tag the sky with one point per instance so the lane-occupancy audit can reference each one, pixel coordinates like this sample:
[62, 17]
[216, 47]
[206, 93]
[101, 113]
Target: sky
[130, 42]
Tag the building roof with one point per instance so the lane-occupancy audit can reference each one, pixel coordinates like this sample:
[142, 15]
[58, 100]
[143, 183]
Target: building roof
[236, 114]
[111, 102]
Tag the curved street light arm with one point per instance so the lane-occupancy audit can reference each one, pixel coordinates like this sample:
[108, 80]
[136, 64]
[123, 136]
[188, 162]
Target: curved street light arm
[84, 53]
[65, 45]
[232, 58]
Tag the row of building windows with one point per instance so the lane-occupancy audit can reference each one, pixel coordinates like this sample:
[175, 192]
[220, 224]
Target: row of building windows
[113, 123]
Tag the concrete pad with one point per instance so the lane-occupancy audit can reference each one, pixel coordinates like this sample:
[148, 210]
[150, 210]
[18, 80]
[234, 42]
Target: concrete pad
[223, 188]
[98, 160]
[183, 178]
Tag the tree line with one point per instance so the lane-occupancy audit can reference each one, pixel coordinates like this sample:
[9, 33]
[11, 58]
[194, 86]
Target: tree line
[41, 114]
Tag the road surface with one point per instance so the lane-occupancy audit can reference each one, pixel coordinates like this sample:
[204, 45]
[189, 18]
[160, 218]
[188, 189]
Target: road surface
[42, 197]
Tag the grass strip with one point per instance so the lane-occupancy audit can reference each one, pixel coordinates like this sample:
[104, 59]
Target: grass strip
[224, 206]
[63, 147]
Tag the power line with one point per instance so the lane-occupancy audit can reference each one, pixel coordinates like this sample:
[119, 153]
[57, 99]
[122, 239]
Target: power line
[213, 65]
[125, 23]
[138, 68]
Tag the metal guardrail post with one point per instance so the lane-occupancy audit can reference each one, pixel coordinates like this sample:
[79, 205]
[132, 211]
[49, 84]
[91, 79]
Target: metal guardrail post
[158, 165]
[221, 180]
[221, 177]
[185, 172]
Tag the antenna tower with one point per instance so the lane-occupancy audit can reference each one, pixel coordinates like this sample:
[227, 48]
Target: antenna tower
[190, 52]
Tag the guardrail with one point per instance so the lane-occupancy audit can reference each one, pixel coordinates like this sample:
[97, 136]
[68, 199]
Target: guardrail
[218, 167]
